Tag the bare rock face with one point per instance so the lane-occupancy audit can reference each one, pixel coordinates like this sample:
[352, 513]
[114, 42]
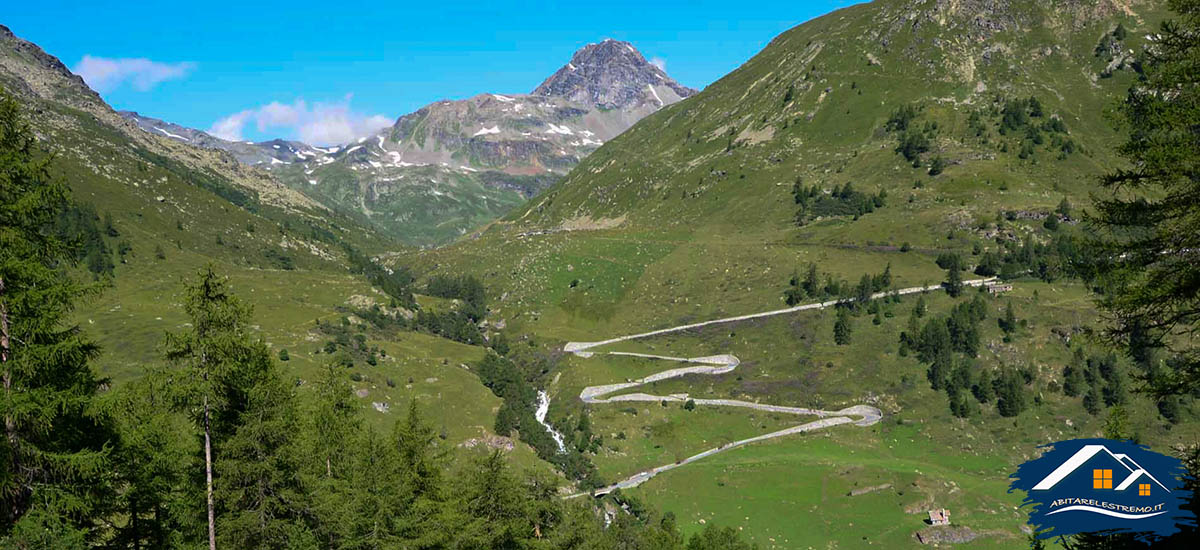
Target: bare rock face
[601, 92]
[610, 75]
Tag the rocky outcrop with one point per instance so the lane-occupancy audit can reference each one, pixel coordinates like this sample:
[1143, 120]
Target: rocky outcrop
[611, 75]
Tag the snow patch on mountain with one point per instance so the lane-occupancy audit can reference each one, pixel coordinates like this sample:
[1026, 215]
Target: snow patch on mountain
[656, 98]
[170, 135]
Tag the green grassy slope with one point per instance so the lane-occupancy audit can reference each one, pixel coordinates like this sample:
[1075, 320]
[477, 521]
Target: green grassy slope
[690, 216]
[421, 206]
[675, 220]
[175, 208]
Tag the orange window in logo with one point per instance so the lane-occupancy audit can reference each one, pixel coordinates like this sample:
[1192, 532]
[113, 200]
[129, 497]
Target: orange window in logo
[1102, 479]
[1143, 489]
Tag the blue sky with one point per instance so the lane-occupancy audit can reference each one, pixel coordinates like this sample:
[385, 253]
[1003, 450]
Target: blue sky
[323, 70]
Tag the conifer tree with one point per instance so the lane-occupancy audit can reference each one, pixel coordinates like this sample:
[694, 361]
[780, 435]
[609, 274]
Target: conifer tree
[954, 281]
[841, 327]
[812, 282]
[1008, 323]
[259, 494]
[934, 340]
[885, 278]
[151, 463]
[420, 463]
[1092, 400]
[333, 430]
[494, 505]
[374, 497]
[939, 369]
[1010, 394]
[1147, 224]
[912, 333]
[54, 453]
[984, 389]
[862, 293]
[219, 367]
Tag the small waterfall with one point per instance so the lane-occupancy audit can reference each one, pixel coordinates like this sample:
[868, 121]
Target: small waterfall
[543, 407]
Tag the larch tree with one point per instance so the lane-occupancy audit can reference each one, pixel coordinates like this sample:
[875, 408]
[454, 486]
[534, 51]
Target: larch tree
[227, 382]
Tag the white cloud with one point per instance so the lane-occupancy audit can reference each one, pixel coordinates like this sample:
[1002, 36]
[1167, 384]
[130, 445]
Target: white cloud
[316, 124]
[107, 74]
[230, 127]
[660, 63]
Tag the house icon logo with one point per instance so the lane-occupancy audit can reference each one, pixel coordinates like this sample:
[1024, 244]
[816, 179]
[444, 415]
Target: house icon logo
[1103, 485]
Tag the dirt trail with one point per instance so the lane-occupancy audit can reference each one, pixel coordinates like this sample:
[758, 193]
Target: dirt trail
[859, 415]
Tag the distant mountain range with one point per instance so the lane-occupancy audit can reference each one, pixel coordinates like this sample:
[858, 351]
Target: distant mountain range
[170, 187]
[247, 152]
[455, 165]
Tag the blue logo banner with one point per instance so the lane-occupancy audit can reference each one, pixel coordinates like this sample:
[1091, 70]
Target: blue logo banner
[1103, 485]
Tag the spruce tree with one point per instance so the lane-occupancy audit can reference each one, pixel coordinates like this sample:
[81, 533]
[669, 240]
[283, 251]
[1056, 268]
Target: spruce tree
[984, 389]
[1010, 394]
[1008, 323]
[913, 331]
[841, 327]
[259, 494]
[151, 463]
[718, 538]
[954, 281]
[421, 458]
[375, 497]
[934, 340]
[1116, 425]
[1114, 390]
[812, 284]
[334, 432]
[1146, 226]
[334, 420]
[1092, 400]
[863, 292]
[55, 450]
[964, 331]
[497, 510]
[1073, 381]
[939, 369]
[1064, 208]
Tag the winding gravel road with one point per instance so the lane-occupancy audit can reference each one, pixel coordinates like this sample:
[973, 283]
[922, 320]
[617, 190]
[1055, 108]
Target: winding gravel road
[859, 415]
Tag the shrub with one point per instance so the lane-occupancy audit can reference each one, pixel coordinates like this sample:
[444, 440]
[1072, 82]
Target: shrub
[937, 166]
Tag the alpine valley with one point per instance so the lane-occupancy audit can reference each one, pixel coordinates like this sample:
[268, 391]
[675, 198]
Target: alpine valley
[455, 165]
[844, 287]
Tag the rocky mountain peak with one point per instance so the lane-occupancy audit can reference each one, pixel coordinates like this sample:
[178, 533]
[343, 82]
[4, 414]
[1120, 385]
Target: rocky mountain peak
[52, 79]
[609, 74]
